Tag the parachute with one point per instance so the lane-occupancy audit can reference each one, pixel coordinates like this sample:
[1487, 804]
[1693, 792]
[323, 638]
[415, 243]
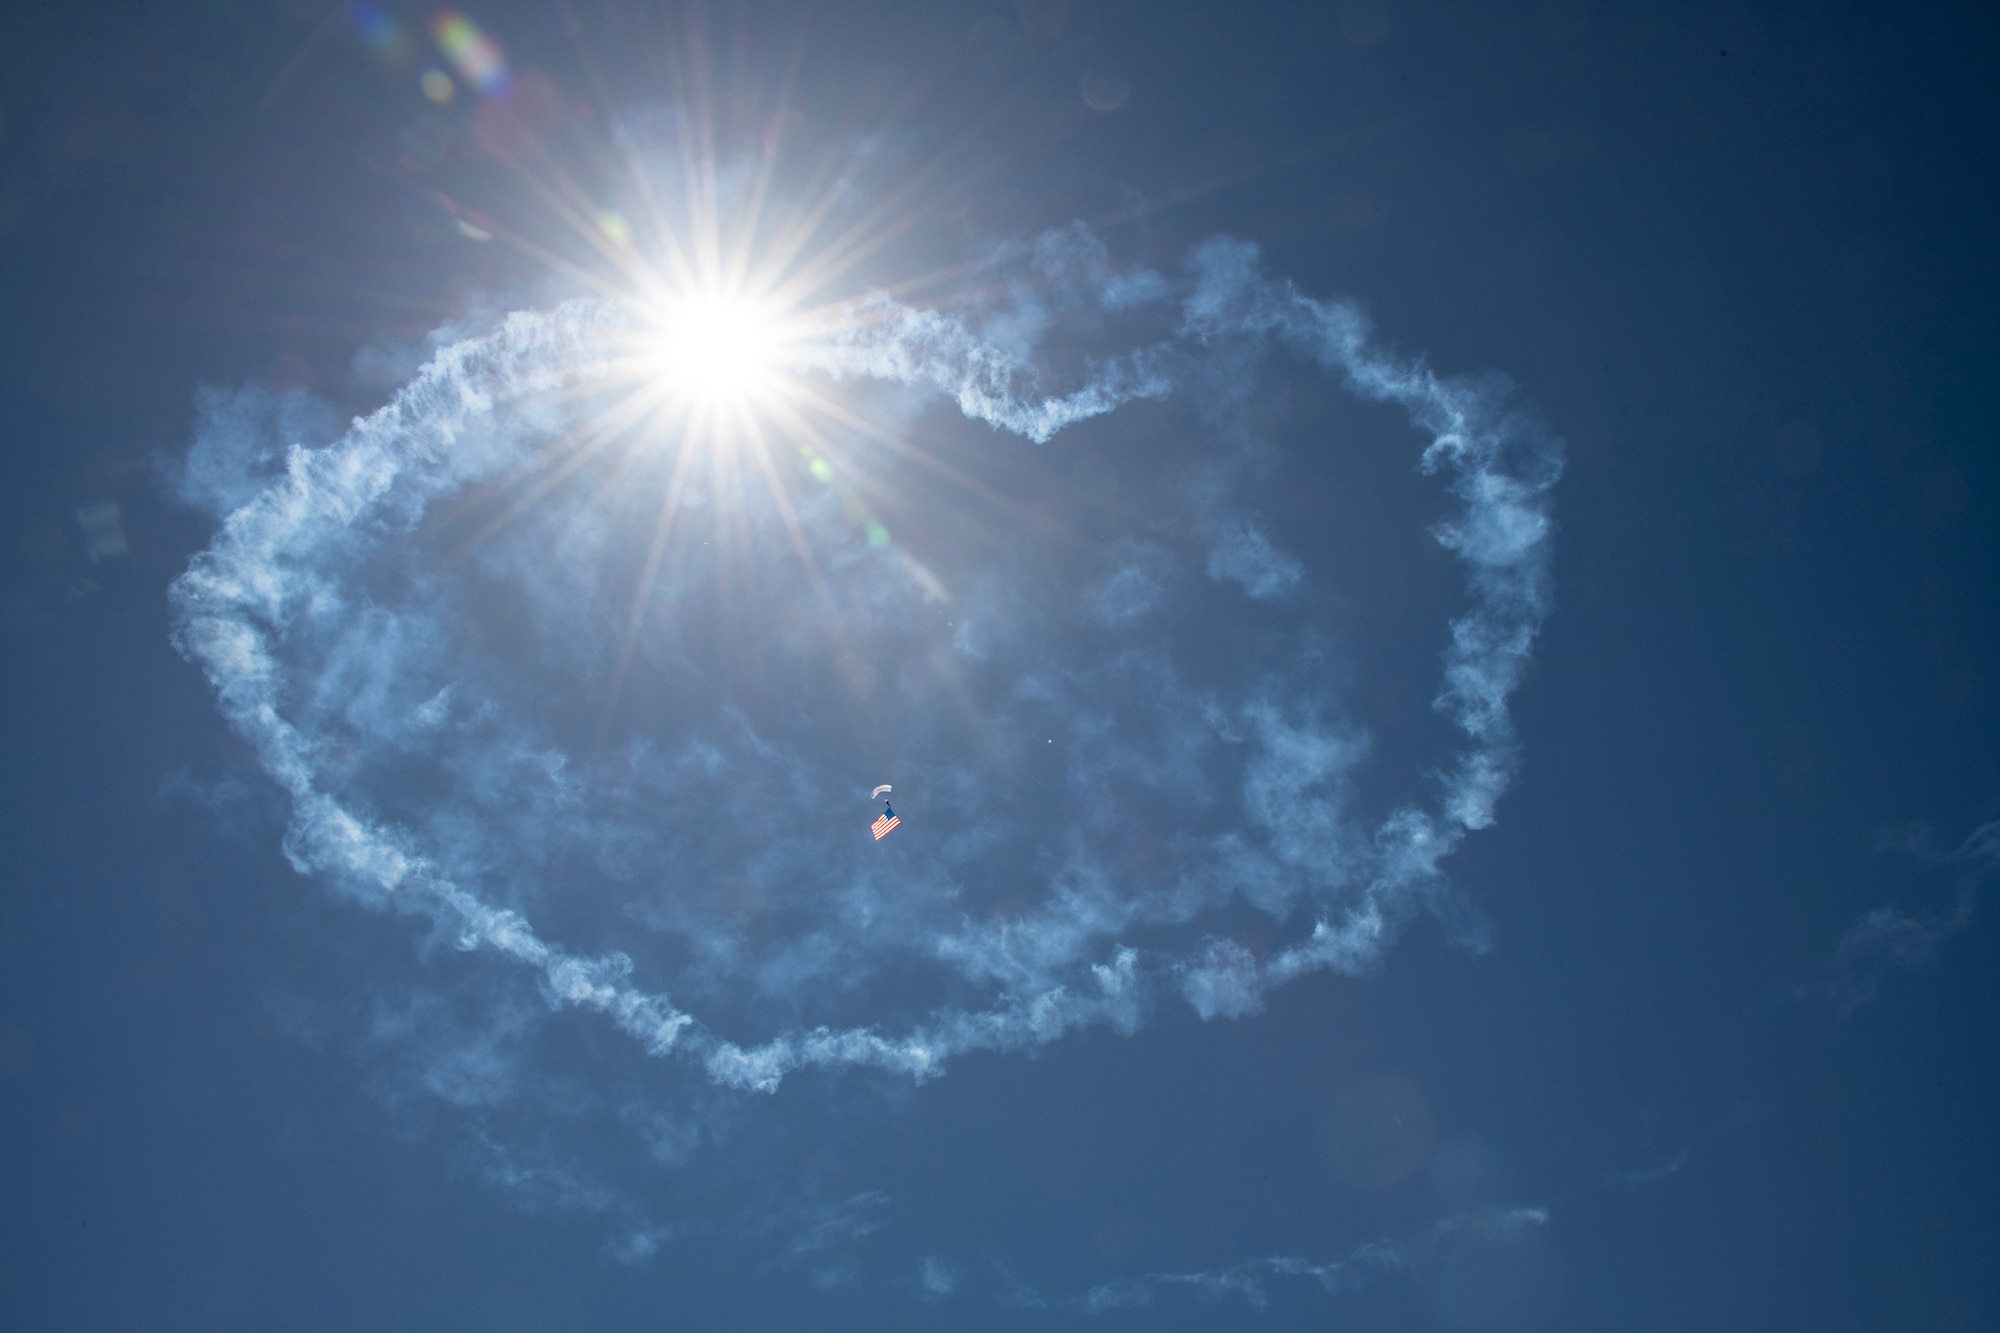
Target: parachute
[887, 820]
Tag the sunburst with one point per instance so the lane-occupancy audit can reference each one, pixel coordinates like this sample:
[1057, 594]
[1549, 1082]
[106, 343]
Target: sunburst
[726, 305]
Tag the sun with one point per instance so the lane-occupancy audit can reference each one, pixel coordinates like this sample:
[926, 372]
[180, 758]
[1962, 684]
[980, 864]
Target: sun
[720, 350]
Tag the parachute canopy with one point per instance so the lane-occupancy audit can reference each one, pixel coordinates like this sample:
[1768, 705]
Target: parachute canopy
[879, 792]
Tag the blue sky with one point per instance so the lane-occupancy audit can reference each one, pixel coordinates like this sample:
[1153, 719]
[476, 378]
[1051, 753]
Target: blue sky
[1417, 572]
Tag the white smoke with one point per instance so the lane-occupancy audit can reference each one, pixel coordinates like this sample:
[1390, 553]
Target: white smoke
[328, 681]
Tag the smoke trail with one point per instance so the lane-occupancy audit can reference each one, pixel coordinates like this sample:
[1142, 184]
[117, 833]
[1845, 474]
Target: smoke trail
[1502, 468]
[278, 583]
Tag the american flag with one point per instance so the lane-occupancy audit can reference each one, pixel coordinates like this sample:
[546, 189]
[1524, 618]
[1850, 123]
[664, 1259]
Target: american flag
[883, 824]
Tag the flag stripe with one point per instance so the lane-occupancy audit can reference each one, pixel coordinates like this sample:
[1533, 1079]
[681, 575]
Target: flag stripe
[883, 825]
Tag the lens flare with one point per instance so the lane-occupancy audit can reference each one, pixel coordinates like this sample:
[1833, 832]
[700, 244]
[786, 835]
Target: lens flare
[476, 56]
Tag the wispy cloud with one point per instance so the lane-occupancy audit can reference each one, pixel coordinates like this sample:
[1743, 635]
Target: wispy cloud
[830, 1225]
[936, 1279]
[1244, 554]
[1251, 1280]
[1654, 1173]
[1892, 938]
